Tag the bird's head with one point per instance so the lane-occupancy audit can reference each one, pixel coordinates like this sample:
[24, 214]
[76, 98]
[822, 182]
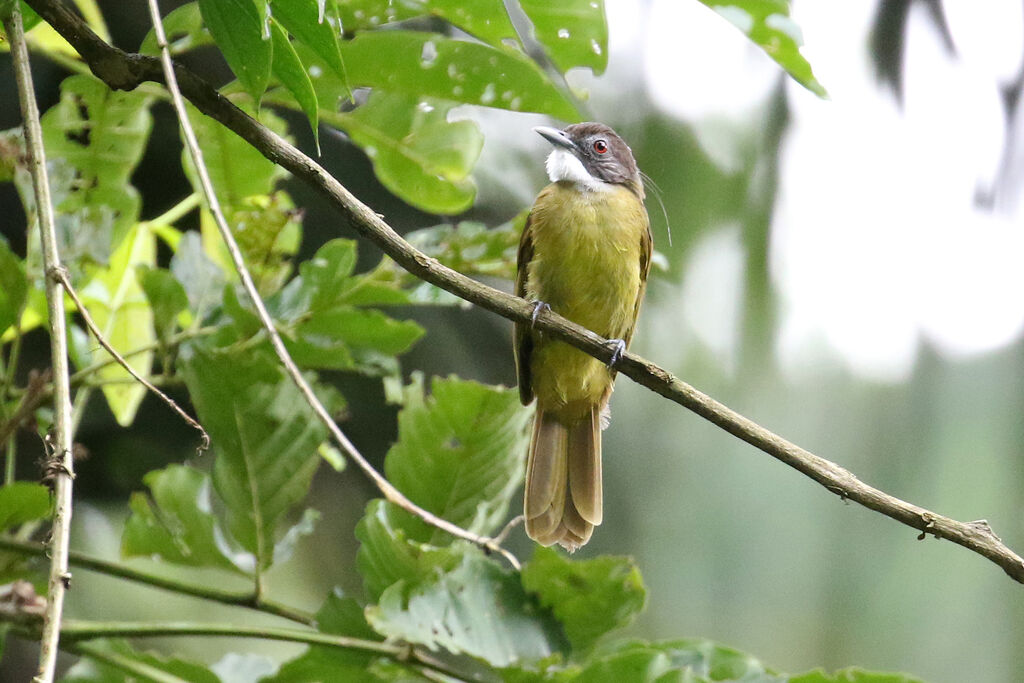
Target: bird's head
[592, 156]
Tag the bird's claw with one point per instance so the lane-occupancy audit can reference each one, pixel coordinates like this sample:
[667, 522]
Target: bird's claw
[618, 348]
[538, 308]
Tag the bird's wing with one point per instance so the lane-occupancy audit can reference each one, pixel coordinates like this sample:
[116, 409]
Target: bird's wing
[646, 248]
[523, 341]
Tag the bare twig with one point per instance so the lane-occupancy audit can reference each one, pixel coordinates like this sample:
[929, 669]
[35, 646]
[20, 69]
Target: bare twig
[121, 70]
[61, 275]
[391, 493]
[63, 472]
[35, 393]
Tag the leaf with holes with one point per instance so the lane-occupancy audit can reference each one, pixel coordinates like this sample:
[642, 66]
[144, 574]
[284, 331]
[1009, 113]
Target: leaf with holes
[572, 32]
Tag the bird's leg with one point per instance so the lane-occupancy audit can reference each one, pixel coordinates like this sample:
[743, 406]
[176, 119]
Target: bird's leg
[618, 348]
[538, 308]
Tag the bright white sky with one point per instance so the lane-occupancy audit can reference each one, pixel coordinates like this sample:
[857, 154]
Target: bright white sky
[877, 244]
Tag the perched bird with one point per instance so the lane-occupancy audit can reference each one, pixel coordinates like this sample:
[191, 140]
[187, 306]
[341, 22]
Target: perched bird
[585, 253]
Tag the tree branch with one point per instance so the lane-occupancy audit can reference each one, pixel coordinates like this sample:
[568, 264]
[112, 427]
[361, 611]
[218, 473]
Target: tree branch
[61, 276]
[121, 70]
[391, 493]
[60, 465]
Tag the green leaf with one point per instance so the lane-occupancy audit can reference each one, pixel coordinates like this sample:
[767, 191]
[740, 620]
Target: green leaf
[21, 502]
[692, 661]
[145, 666]
[572, 32]
[175, 522]
[289, 70]
[478, 608]
[265, 436]
[318, 27]
[202, 280]
[391, 550]
[768, 24]
[268, 229]
[121, 311]
[166, 296]
[340, 616]
[417, 153]
[460, 453]
[428, 65]
[236, 169]
[589, 597]
[853, 675]
[484, 19]
[95, 138]
[184, 30]
[13, 286]
[238, 29]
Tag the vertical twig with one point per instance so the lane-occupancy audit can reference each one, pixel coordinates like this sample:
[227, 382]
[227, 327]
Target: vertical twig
[61, 468]
[391, 493]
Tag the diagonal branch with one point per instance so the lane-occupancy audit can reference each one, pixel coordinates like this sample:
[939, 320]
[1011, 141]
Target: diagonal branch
[61, 275]
[391, 493]
[60, 466]
[122, 70]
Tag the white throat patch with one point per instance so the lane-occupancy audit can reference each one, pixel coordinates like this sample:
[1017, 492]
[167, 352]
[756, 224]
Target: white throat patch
[563, 165]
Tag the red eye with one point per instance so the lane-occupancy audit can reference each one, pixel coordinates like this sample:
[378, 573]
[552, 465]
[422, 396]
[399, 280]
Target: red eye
[600, 146]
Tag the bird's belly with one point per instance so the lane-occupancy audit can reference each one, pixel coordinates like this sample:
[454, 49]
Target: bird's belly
[590, 275]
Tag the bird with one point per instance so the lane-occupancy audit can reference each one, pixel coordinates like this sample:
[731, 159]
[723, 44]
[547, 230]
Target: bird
[585, 253]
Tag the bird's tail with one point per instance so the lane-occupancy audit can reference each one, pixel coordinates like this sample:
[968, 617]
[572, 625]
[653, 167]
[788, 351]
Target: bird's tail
[563, 500]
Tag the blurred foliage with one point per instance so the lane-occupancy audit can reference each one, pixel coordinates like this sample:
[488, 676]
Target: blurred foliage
[460, 446]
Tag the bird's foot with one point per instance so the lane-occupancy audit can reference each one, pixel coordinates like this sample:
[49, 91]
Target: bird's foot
[618, 348]
[538, 308]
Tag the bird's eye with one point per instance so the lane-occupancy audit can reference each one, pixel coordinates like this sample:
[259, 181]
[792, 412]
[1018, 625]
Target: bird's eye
[600, 146]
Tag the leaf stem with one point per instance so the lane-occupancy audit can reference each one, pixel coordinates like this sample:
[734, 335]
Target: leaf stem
[60, 465]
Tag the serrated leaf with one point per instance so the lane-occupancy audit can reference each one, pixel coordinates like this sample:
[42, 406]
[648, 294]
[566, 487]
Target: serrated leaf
[268, 229]
[669, 661]
[484, 19]
[768, 24]
[477, 608]
[416, 152]
[460, 453]
[95, 137]
[589, 597]
[149, 666]
[184, 30]
[572, 32]
[123, 315]
[175, 522]
[265, 436]
[21, 502]
[166, 296]
[289, 70]
[237, 28]
[13, 286]
[391, 548]
[428, 65]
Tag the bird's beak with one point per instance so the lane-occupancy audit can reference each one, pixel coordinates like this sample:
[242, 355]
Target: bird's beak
[558, 138]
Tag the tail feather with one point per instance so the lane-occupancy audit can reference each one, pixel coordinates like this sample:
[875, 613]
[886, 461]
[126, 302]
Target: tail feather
[563, 500]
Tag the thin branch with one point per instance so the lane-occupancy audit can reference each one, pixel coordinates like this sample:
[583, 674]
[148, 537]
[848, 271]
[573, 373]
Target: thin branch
[225, 597]
[391, 493]
[62, 468]
[35, 393]
[121, 70]
[137, 669]
[61, 276]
